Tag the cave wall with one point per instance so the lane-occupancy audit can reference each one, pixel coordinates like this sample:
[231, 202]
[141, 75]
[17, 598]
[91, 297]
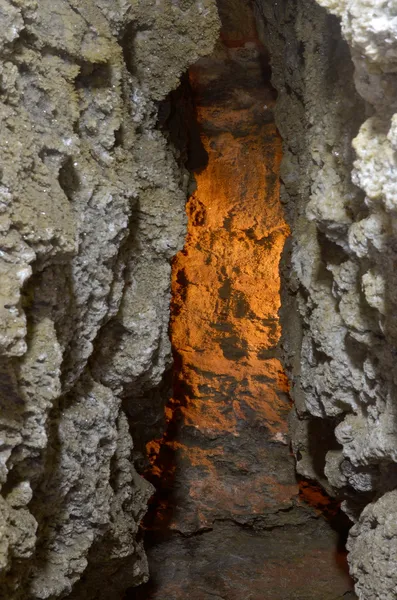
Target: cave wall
[92, 210]
[336, 114]
[229, 519]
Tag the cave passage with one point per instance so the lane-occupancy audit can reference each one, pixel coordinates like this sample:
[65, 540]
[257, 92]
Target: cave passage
[228, 520]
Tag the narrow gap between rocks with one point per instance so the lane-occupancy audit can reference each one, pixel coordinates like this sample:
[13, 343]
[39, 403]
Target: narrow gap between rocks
[223, 467]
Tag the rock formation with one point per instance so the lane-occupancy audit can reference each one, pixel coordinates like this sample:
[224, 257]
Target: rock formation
[227, 496]
[335, 112]
[92, 211]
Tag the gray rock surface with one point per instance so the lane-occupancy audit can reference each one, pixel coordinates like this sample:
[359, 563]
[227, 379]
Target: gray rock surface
[373, 547]
[91, 211]
[336, 114]
[368, 435]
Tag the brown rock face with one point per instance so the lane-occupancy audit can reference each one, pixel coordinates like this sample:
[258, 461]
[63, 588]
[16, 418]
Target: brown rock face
[230, 389]
[228, 521]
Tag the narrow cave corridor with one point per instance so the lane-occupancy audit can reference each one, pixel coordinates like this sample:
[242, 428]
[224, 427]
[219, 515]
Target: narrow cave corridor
[229, 519]
[198, 310]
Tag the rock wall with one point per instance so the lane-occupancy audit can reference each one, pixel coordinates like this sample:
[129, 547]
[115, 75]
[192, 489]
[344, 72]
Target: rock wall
[336, 114]
[92, 210]
[229, 518]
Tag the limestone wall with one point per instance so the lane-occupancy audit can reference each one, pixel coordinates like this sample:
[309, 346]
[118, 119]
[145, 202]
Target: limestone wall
[337, 97]
[228, 520]
[91, 210]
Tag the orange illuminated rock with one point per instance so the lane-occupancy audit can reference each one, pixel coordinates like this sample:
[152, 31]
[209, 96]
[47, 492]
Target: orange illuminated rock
[225, 453]
[223, 468]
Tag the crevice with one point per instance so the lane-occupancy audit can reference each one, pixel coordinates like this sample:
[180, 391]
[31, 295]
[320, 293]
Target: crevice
[224, 460]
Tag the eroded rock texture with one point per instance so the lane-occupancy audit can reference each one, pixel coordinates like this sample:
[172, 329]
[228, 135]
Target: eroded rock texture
[339, 303]
[228, 520]
[92, 210]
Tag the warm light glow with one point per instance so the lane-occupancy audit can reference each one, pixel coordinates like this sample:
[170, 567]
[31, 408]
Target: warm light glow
[229, 385]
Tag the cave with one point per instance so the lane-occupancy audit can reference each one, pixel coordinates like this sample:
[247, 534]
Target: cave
[198, 300]
[229, 518]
